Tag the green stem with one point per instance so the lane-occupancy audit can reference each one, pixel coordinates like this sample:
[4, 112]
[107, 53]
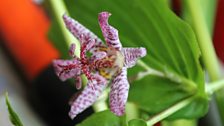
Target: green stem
[215, 86]
[101, 104]
[132, 111]
[181, 122]
[164, 114]
[59, 8]
[204, 39]
[148, 70]
[208, 53]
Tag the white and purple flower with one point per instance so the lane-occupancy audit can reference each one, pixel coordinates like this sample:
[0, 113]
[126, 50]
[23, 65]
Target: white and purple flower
[107, 62]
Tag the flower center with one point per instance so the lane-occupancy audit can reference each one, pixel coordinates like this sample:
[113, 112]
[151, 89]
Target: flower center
[110, 65]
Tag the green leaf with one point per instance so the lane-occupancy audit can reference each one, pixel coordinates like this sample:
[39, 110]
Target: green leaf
[153, 98]
[171, 46]
[201, 105]
[104, 118]
[137, 122]
[14, 118]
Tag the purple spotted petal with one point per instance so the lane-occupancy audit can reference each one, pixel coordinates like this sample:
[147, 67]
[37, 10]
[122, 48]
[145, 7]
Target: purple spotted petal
[66, 69]
[119, 93]
[110, 33]
[87, 43]
[72, 50]
[78, 29]
[132, 55]
[88, 96]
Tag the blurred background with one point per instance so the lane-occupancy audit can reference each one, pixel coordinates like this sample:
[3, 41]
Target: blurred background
[26, 53]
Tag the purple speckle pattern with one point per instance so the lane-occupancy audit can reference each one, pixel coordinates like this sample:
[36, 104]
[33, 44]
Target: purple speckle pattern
[71, 51]
[88, 96]
[66, 69]
[132, 55]
[119, 93]
[110, 33]
[107, 62]
[78, 30]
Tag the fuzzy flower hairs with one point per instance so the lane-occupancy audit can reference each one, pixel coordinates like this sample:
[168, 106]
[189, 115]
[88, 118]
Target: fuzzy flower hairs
[107, 63]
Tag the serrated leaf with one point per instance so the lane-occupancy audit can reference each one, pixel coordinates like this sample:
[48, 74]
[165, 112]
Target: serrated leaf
[137, 122]
[14, 118]
[104, 118]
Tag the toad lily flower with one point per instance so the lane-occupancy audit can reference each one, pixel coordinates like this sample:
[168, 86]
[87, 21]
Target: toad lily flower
[107, 62]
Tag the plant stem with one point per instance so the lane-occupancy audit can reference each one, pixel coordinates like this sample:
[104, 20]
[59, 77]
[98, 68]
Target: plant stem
[208, 53]
[148, 70]
[204, 39]
[59, 8]
[164, 114]
[215, 86]
[132, 112]
[100, 104]
[181, 122]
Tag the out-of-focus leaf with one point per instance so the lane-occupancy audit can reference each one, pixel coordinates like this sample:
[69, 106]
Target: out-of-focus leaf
[14, 118]
[137, 122]
[104, 118]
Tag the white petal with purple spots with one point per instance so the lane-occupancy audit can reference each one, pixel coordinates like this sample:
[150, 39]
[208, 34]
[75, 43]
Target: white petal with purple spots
[88, 96]
[110, 33]
[66, 69]
[78, 29]
[132, 55]
[119, 93]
